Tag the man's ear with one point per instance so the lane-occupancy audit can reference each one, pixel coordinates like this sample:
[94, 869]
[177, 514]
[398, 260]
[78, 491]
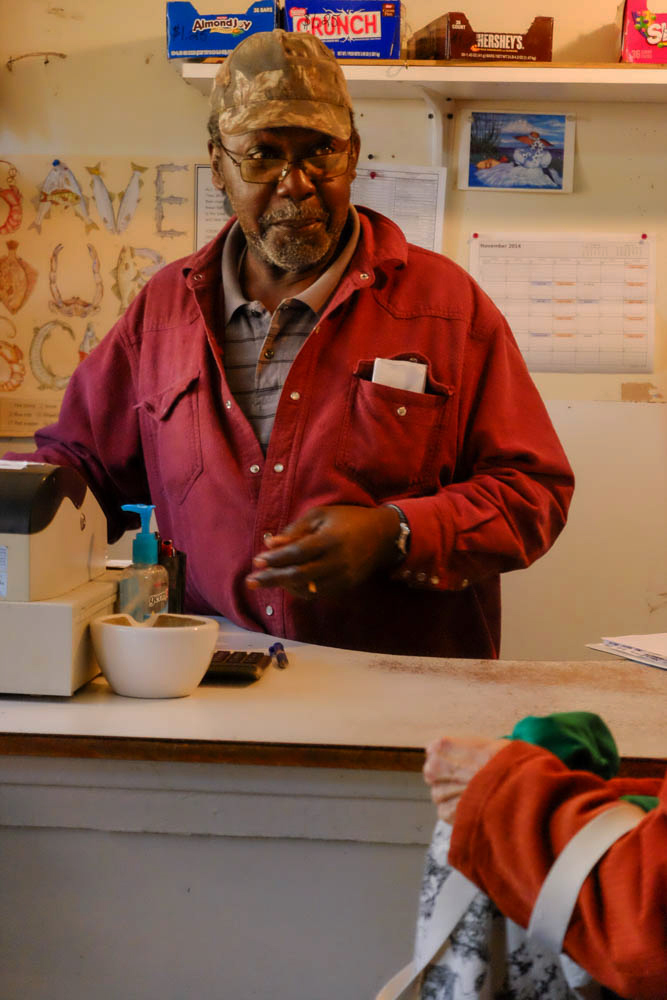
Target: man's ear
[215, 156]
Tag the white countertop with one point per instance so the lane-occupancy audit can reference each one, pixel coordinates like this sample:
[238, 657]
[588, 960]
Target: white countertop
[336, 697]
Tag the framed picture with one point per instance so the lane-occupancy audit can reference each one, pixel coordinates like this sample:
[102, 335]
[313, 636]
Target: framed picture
[513, 151]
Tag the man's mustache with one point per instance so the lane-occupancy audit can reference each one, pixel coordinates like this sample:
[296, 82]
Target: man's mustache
[292, 213]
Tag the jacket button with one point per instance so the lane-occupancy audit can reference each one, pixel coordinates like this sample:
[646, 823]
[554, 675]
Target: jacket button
[228, 404]
[267, 536]
[269, 610]
[401, 411]
[254, 469]
[465, 583]
[269, 353]
[435, 580]
[296, 396]
[421, 577]
[364, 276]
[197, 277]
[279, 467]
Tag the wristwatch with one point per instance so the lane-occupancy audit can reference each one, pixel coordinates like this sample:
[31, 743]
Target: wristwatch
[402, 540]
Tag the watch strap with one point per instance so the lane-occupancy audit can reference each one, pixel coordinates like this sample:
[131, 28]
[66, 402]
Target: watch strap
[402, 540]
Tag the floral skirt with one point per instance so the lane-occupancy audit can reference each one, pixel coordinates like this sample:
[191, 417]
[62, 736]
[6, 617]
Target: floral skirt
[488, 957]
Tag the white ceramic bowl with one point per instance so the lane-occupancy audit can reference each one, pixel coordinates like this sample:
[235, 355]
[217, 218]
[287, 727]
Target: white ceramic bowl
[165, 657]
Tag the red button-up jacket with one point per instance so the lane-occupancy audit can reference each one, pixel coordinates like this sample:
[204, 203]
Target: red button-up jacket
[473, 461]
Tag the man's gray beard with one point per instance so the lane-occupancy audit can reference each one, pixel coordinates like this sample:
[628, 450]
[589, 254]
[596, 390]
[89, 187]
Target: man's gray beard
[293, 252]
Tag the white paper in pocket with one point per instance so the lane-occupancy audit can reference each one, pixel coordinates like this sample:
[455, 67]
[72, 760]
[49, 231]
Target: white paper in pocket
[410, 375]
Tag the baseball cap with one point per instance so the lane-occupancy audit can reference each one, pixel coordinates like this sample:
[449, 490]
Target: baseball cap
[281, 78]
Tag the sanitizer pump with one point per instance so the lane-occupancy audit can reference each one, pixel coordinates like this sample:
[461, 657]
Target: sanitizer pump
[143, 588]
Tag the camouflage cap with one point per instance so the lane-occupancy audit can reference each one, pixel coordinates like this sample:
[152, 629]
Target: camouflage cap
[280, 78]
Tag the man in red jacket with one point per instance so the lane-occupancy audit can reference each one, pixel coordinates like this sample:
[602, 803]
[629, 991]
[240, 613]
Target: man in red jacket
[335, 426]
[514, 806]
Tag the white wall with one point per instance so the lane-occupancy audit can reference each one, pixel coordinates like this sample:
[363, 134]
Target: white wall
[115, 94]
[607, 574]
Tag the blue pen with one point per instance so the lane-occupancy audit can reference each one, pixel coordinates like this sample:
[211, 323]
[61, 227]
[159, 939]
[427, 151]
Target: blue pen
[278, 650]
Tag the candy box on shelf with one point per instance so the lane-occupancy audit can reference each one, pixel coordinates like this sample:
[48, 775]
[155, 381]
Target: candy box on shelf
[355, 29]
[191, 35]
[451, 36]
[644, 33]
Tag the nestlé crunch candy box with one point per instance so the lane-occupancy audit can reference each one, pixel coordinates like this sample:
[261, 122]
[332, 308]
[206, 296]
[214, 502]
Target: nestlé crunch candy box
[355, 29]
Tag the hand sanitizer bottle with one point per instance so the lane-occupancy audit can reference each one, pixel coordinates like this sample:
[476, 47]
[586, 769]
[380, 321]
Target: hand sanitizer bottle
[143, 588]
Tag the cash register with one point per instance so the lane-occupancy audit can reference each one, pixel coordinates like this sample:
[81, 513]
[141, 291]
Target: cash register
[53, 578]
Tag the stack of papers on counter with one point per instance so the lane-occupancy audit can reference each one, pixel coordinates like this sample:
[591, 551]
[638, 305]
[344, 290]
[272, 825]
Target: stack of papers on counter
[651, 649]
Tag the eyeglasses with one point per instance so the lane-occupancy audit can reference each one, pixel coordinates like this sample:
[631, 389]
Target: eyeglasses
[271, 169]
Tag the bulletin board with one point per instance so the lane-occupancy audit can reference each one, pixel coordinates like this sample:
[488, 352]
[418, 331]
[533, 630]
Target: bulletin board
[78, 239]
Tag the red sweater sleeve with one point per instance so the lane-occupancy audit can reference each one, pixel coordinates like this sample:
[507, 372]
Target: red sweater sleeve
[513, 820]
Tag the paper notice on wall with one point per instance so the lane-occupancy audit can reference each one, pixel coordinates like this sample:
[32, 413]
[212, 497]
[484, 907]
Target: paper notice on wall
[575, 302]
[3, 570]
[412, 197]
[210, 212]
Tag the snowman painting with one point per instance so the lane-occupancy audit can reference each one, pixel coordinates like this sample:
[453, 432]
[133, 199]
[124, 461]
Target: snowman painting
[524, 152]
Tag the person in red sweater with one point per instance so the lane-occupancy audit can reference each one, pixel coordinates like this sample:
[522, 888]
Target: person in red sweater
[514, 806]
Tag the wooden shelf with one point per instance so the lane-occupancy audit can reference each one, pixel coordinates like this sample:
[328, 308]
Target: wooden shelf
[612, 82]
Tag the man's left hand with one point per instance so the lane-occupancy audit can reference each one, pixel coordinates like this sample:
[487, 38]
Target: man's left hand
[328, 551]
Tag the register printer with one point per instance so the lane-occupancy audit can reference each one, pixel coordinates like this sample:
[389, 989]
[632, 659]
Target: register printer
[53, 581]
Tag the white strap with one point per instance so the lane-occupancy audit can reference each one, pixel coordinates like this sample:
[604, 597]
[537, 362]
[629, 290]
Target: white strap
[558, 896]
[455, 896]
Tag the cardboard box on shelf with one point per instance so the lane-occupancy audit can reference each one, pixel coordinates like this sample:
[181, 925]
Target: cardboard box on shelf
[451, 36]
[644, 34]
[191, 35]
[353, 29]
[430, 42]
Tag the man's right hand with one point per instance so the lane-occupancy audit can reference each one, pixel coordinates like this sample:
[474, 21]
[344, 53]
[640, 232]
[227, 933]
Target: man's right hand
[328, 551]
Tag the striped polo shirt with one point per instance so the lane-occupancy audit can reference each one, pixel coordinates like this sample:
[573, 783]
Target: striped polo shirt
[259, 347]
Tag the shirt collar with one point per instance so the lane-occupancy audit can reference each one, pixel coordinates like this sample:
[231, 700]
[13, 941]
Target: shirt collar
[315, 296]
[232, 255]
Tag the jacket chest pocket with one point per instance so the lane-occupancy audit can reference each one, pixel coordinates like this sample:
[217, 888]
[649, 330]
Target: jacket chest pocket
[173, 415]
[391, 439]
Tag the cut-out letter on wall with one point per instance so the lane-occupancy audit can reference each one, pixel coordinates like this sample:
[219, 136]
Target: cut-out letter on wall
[129, 198]
[75, 306]
[60, 187]
[162, 199]
[42, 371]
[131, 273]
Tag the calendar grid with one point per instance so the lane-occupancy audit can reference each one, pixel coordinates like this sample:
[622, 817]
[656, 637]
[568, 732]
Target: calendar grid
[574, 303]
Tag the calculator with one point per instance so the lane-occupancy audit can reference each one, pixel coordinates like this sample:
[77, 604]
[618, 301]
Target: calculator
[236, 667]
